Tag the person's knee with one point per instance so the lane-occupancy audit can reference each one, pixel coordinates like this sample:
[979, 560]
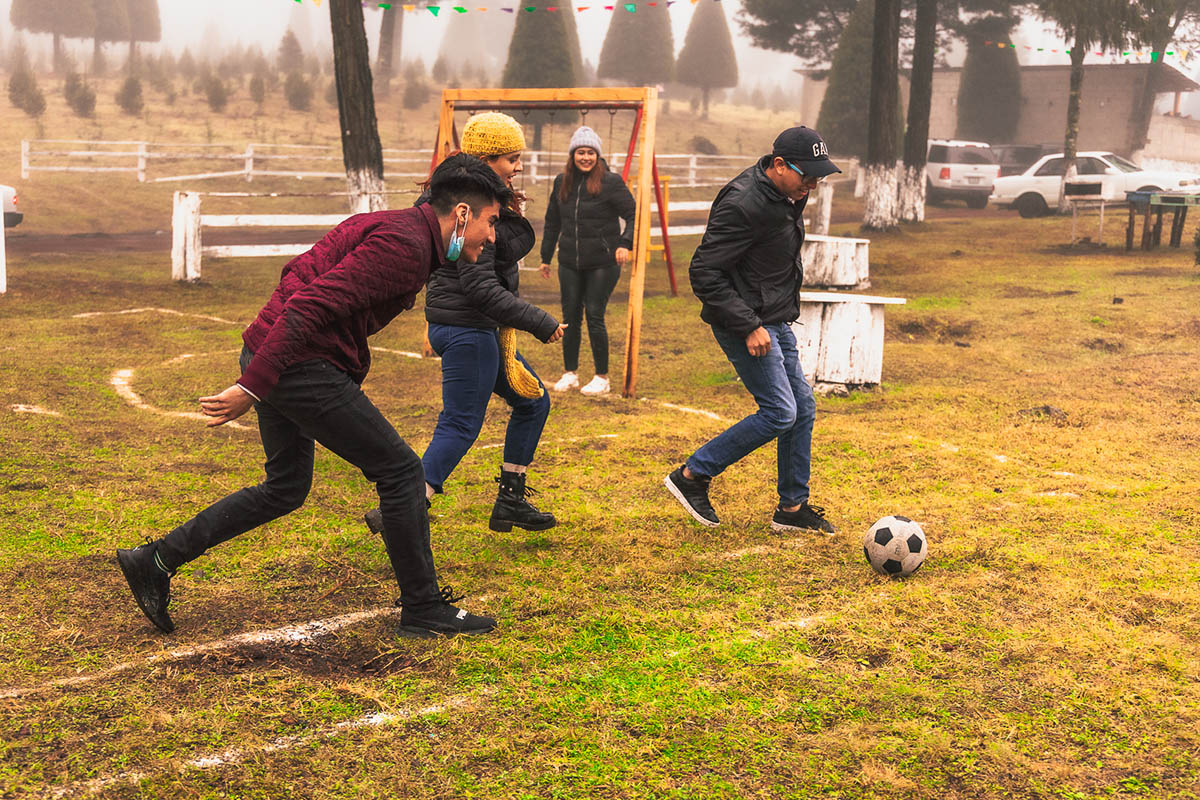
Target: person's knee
[780, 417]
[285, 496]
[402, 467]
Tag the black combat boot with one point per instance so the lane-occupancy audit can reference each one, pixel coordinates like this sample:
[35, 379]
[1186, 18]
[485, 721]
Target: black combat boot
[512, 508]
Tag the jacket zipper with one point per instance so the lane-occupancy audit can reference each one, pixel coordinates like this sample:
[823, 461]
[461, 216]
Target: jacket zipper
[578, 194]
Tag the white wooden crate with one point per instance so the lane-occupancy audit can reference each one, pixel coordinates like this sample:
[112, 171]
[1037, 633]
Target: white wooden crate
[840, 337]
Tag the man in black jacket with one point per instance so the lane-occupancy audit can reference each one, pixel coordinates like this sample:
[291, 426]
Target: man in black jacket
[747, 272]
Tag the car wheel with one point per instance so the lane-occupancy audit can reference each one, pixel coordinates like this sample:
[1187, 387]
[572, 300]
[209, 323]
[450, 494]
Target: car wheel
[1031, 205]
[977, 201]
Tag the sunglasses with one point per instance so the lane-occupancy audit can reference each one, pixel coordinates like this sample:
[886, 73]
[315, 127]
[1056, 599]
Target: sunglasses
[809, 179]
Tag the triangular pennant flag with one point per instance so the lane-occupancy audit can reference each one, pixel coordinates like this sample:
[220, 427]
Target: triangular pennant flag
[410, 7]
[460, 9]
[506, 8]
[318, 2]
[552, 8]
[434, 10]
[631, 7]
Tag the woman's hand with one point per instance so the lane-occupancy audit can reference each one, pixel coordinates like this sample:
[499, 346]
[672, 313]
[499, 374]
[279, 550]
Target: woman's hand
[226, 406]
[558, 334]
[623, 255]
[545, 268]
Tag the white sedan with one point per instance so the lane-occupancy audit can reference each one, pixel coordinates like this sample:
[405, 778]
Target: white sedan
[1035, 191]
[8, 201]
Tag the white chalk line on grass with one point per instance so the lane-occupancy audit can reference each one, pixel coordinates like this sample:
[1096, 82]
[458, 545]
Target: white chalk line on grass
[687, 410]
[236, 755]
[120, 381]
[22, 408]
[289, 634]
[170, 311]
[559, 441]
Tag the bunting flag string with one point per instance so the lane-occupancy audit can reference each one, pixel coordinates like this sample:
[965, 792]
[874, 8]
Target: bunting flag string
[1155, 55]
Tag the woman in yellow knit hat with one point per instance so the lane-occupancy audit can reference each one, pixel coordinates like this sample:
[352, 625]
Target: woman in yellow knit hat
[467, 307]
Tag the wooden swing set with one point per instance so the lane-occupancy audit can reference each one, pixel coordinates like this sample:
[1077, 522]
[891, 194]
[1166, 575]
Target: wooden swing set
[644, 102]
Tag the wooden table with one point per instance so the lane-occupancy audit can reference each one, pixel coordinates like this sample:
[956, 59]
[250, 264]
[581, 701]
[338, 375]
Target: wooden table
[1154, 204]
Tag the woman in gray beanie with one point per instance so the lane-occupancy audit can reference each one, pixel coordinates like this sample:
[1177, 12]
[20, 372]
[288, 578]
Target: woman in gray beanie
[584, 220]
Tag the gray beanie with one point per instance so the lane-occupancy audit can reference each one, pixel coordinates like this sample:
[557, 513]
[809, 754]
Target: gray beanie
[585, 137]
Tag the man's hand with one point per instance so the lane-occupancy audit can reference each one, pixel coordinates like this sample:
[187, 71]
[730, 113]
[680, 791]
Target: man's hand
[226, 406]
[623, 255]
[558, 334]
[545, 268]
[758, 342]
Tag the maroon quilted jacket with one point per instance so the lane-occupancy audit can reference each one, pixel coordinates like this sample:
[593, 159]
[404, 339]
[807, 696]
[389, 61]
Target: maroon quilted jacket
[349, 285]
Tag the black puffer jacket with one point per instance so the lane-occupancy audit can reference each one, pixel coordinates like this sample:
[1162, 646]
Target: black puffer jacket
[484, 294]
[747, 269]
[588, 229]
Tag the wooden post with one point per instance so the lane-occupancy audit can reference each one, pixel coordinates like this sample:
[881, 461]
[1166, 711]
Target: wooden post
[445, 140]
[249, 162]
[663, 198]
[1129, 228]
[1147, 229]
[24, 159]
[641, 241]
[141, 167]
[185, 237]
[3, 266]
[1158, 227]
[692, 170]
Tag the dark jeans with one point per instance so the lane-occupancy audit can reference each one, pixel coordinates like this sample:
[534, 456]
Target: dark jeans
[786, 410]
[471, 374]
[316, 401]
[586, 289]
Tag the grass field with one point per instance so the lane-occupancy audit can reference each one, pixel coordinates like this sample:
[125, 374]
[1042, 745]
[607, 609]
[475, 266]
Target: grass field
[1039, 417]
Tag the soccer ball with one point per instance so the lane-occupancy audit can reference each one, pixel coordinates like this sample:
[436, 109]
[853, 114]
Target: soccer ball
[895, 546]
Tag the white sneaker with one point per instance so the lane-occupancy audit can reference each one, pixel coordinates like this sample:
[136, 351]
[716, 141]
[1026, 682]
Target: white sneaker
[569, 380]
[597, 385]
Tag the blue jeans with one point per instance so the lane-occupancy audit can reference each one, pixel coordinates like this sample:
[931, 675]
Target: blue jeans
[471, 374]
[315, 401]
[786, 410]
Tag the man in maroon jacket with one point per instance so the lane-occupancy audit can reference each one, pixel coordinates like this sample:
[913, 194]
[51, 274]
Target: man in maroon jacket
[304, 358]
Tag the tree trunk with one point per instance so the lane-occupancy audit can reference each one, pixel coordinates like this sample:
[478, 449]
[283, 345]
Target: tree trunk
[704, 95]
[537, 135]
[1071, 140]
[391, 32]
[362, 153]
[916, 136]
[98, 65]
[1143, 110]
[58, 54]
[880, 211]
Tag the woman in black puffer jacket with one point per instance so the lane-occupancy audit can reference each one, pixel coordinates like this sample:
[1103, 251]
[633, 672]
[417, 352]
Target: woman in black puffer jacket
[465, 305]
[590, 217]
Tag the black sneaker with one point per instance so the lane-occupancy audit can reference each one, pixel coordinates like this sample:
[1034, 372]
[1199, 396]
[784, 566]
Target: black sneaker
[692, 493]
[442, 618]
[150, 583]
[805, 518]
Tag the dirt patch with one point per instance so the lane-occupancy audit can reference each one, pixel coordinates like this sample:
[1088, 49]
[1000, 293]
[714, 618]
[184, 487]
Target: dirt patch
[1151, 272]
[1021, 292]
[325, 657]
[934, 329]
[1104, 345]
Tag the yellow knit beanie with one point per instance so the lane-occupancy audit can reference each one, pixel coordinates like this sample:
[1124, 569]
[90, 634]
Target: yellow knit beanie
[492, 134]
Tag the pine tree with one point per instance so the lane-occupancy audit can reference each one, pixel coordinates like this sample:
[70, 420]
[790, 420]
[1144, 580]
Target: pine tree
[707, 60]
[144, 25]
[638, 48]
[540, 56]
[844, 118]
[989, 94]
[60, 18]
[112, 25]
[291, 55]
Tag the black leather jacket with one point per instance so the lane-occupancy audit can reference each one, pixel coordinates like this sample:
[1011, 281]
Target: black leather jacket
[484, 294]
[747, 270]
[588, 229]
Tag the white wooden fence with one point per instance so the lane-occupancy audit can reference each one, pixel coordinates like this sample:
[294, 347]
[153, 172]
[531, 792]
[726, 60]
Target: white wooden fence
[260, 159]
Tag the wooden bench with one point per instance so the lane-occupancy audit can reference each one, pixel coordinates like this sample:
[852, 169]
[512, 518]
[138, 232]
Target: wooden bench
[840, 338]
[836, 262]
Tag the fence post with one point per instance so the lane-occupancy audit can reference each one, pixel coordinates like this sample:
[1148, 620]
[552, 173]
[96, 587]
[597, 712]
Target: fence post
[692, 170]
[24, 159]
[249, 162]
[3, 268]
[824, 209]
[533, 167]
[185, 237]
[141, 162]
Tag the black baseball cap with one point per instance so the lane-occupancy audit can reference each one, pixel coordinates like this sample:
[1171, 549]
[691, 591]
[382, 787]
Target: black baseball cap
[805, 148]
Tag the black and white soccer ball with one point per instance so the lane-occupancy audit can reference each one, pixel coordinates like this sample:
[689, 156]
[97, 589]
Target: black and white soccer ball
[895, 546]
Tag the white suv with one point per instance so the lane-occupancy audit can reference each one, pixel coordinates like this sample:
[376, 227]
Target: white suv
[960, 170]
[8, 201]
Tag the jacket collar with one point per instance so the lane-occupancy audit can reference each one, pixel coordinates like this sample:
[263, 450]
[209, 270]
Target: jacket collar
[435, 229]
[760, 176]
